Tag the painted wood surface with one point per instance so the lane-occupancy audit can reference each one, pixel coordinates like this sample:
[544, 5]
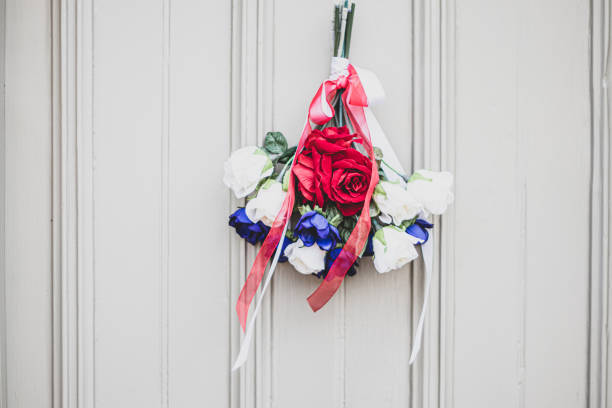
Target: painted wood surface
[28, 212]
[522, 278]
[121, 273]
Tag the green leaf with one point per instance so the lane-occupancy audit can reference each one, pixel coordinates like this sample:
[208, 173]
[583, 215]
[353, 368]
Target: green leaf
[260, 152]
[287, 155]
[376, 225]
[418, 176]
[275, 143]
[379, 190]
[266, 185]
[380, 236]
[286, 179]
[378, 154]
[346, 227]
[406, 223]
[374, 210]
[289, 234]
[344, 233]
[256, 191]
[334, 217]
[303, 209]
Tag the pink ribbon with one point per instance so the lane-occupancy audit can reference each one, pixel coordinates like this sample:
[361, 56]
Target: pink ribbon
[320, 112]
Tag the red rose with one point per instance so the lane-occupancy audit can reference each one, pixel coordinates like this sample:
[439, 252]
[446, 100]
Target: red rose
[351, 173]
[329, 167]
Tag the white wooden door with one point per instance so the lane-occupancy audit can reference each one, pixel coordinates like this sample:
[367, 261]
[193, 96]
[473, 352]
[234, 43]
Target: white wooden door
[120, 273]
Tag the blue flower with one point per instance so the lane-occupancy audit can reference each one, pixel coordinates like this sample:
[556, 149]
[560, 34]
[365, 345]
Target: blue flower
[313, 227]
[286, 243]
[369, 249]
[419, 230]
[329, 261]
[252, 232]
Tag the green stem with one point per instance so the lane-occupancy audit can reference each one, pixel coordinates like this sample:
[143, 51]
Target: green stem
[349, 30]
[337, 22]
[340, 110]
[280, 176]
[403, 176]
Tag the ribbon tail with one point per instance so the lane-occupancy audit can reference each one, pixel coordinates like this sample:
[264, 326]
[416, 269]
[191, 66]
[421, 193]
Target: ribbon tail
[380, 140]
[427, 252]
[243, 354]
[320, 110]
[261, 260]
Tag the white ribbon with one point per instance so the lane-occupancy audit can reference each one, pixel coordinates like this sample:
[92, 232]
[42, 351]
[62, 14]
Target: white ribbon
[243, 354]
[380, 140]
[427, 252]
[375, 93]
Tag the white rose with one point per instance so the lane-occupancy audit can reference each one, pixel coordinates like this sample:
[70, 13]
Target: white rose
[393, 248]
[306, 260]
[267, 204]
[396, 202]
[432, 189]
[245, 168]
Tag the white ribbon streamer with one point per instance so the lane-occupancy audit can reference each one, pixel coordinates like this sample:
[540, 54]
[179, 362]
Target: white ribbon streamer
[243, 354]
[379, 139]
[427, 252]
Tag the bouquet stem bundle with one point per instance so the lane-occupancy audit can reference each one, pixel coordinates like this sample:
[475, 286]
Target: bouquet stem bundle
[343, 27]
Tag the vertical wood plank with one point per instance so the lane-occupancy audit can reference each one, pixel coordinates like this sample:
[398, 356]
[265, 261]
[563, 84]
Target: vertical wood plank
[599, 385]
[602, 53]
[377, 348]
[3, 168]
[525, 107]
[129, 136]
[28, 203]
[308, 348]
[553, 124]
[489, 247]
[199, 236]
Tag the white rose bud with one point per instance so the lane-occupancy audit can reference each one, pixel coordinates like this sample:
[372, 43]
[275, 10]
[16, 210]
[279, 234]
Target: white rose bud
[432, 189]
[306, 260]
[393, 248]
[266, 206]
[396, 202]
[245, 168]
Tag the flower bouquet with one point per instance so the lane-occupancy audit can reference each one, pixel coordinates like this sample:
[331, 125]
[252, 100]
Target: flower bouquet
[338, 196]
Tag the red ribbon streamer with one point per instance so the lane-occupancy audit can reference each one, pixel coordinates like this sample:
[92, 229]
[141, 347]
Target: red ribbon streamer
[320, 112]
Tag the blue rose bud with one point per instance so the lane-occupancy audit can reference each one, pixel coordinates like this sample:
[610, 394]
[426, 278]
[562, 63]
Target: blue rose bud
[369, 249]
[419, 231]
[286, 243]
[247, 229]
[313, 227]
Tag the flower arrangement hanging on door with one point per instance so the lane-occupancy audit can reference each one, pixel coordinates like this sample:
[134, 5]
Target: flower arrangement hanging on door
[337, 197]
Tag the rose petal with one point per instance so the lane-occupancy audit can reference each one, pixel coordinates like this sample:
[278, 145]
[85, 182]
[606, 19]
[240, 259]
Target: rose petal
[319, 222]
[325, 243]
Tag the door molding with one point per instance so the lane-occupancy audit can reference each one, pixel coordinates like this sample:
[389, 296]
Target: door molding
[73, 266]
[3, 390]
[601, 175]
[434, 148]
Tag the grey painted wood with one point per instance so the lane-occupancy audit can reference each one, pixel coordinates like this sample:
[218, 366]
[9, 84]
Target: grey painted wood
[28, 204]
[154, 96]
[521, 281]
